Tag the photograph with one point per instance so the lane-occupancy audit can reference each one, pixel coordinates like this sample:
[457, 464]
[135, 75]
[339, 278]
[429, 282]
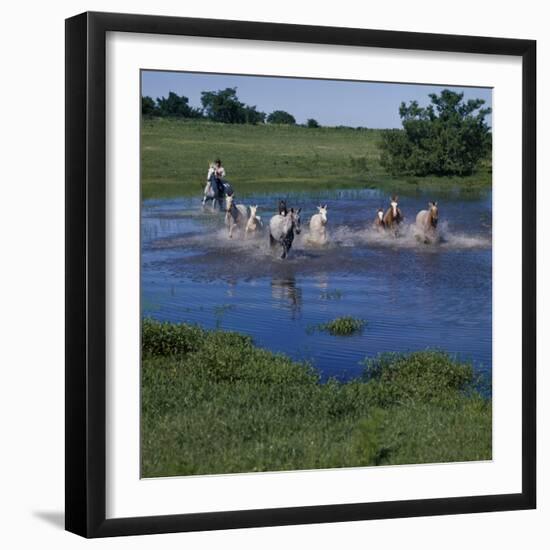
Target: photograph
[316, 273]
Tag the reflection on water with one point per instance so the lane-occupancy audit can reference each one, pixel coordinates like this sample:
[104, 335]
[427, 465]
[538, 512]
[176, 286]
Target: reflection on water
[412, 295]
[287, 294]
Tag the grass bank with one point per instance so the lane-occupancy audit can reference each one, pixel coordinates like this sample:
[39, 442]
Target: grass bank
[213, 402]
[281, 158]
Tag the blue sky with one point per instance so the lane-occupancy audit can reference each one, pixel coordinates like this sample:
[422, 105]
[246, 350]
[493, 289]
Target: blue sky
[330, 102]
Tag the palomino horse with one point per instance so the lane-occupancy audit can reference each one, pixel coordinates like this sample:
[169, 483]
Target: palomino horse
[236, 215]
[378, 222]
[254, 223]
[318, 226]
[426, 222]
[214, 192]
[393, 216]
[282, 229]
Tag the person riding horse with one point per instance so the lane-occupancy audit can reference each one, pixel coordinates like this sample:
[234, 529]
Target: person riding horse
[217, 187]
[219, 174]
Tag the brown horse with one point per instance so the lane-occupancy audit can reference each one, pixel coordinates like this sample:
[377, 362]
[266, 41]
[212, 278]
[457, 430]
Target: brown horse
[378, 222]
[393, 216]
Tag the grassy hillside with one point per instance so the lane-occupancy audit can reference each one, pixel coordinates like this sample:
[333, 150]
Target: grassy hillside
[212, 402]
[175, 156]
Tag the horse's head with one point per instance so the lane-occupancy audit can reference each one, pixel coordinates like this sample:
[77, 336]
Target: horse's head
[380, 214]
[253, 210]
[434, 213]
[296, 219]
[228, 203]
[323, 211]
[393, 204]
[210, 173]
[283, 210]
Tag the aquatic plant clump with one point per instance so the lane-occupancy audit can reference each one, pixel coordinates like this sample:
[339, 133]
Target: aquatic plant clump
[343, 326]
[331, 295]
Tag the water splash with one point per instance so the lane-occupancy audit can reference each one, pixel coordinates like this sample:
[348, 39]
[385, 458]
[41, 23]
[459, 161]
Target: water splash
[409, 237]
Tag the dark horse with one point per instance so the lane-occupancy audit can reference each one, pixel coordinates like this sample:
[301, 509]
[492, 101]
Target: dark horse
[282, 229]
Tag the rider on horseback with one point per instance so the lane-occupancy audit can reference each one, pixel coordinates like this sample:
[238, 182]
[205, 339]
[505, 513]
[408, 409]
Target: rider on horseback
[217, 187]
[219, 174]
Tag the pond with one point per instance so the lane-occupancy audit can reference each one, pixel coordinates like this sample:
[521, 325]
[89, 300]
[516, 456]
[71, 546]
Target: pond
[413, 295]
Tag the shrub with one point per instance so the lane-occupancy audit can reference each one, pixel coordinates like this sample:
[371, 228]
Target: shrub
[427, 376]
[164, 339]
[219, 355]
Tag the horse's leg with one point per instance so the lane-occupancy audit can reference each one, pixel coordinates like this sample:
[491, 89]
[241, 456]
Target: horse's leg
[286, 243]
[272, 241]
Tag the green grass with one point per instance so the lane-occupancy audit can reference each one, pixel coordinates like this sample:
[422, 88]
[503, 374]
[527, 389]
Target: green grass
[276, 158]
[213, 402]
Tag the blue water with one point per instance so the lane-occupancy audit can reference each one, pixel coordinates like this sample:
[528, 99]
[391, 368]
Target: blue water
[412, 295]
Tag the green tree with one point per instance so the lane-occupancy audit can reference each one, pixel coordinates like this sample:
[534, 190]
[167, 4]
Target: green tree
[281, 117]
[448, 137]
[253, 116]
[148, 106]
[312, 123]
[177, 106]
[224, 106]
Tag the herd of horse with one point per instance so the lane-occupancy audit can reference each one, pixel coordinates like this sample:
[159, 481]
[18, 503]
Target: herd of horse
[284, 225]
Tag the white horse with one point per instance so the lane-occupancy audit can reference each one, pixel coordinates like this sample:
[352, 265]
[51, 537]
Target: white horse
[318, 226]
[211, 191]
[426, 222]
[236, 215]
[282, 229]
[254, 223]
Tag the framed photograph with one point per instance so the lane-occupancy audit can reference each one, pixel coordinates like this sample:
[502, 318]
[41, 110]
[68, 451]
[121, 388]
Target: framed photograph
[300, 274]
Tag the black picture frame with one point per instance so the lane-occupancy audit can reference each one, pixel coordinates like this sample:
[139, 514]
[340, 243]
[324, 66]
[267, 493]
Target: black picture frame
[86, 274]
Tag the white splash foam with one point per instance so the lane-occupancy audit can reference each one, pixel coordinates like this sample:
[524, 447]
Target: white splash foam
[409, 236]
